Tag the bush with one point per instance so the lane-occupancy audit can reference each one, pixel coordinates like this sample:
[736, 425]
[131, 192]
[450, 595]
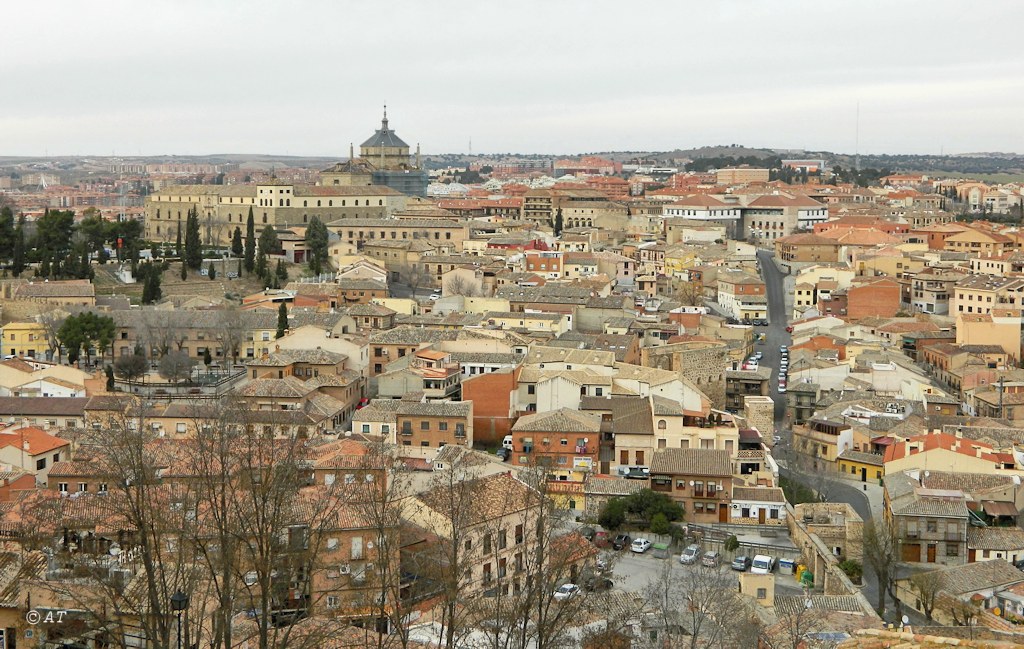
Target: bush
[659, 524]
[853, 569]
[613, 514]
[732, 544]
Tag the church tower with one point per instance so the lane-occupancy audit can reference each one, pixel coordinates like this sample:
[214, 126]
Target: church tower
[385, 150]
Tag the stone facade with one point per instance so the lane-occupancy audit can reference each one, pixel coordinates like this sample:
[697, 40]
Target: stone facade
[837, 525]
[703, 362]
[760, 414]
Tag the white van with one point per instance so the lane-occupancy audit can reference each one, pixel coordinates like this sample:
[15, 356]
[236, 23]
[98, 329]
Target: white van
[762, 564]
[506, 442]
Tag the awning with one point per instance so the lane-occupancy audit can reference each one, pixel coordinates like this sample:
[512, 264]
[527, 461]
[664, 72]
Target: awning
[993, 508]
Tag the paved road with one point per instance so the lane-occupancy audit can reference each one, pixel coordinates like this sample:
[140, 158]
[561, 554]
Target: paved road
[775, 332]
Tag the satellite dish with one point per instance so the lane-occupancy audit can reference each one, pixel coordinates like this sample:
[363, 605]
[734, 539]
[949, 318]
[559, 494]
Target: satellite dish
[906, 620]
[114, 550]
[586, 440]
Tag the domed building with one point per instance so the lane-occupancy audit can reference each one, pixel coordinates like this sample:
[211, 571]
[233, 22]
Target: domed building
[384, 159]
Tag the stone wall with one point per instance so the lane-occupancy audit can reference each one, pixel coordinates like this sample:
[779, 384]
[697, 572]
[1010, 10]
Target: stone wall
[759, 411]
[837, 525]
[701, 362]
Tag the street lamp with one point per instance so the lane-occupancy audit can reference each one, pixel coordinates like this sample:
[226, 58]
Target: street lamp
[179, 602]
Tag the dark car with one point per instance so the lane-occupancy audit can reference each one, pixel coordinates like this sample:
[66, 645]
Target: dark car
[504, 454]
[593, 583]
[741, 563]
[588, 533]
[621, 541]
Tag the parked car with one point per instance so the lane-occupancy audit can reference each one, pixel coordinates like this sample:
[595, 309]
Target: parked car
[602, 539]
[640, 546]
[601, 563]
[566, 591]
[598, 583]
[587, 532]
[776, 439]
[762, 564]
[741, 563]
[504, 454]
[782, 388]
[690, 555]
[435, 296]
[783, 349]
[789, 329]
[711, 559]
[620, 541]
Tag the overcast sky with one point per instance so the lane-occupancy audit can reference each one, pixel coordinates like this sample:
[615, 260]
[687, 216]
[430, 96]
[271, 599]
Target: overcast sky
[306, 78]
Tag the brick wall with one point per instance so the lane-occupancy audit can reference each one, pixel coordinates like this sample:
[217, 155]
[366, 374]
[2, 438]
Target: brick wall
[490, 394]
[702, 362]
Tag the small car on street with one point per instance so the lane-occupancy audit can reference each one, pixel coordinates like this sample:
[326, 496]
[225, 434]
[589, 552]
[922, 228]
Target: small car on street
[711, 559]
[690, 555]
[640, 546]
[620, 541]
[566, 591]
[741, 563]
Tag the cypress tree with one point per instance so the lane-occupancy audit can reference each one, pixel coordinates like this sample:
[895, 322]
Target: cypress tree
[18, 253]
[184, 271]
[237, 248]
[250, 243]
[282, 319]
[282, 272]
[212, 272]
[177, 243]
[193, 242]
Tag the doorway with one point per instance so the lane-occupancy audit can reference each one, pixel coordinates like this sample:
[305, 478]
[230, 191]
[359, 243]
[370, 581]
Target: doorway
[760, 516]
[931, 553]
[863, 474]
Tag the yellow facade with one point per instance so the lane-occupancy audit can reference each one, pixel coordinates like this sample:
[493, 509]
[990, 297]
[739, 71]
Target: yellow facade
[24, 340]
[857, 469]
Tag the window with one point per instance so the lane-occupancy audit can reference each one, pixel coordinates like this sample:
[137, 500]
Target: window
[502, 539]
[62, 487]
[952, 549]
[180, 427]
[41, 464]
[425, 443]
[350, 478]
[103, 488]
[424, 425]
[356, 548]
[531, 389]
[333, 601]
[366, 428]
[762, 593]
[933, 526]
[442, 425]
[468, 545]
[329, 479]
[487, 543]
[519, 533]
[83, 486]
[661, 424]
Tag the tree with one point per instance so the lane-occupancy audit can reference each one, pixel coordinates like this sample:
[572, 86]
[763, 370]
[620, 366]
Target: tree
[18, 249]
[690, 293]
[193, 241]
[317, 239]
[459, 285]
[853, 569]
[52, 241]
[282, 320]
[415, 275]
[109, 372]
[176, 366]
[281, 273]
[558, 222]
[269, 243]
[131, 367]
[881, 552]
[177, 244]
[207, 359]
[659, 524]
[211, 272]
[695, 609]
[51, 322]
[83, 331]
[6, 232]
[150, 275]
[613, 514]
[184, 270]
[732, 543]
[250, 243]
[927, 586]
[237, 248]
[231, 328]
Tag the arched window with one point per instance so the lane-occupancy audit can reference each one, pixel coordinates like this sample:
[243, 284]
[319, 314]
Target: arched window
[304, 203]
[661, 424]
[318, 203]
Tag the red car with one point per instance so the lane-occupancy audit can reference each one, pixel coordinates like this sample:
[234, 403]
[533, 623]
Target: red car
[789, 329]
[601, 540]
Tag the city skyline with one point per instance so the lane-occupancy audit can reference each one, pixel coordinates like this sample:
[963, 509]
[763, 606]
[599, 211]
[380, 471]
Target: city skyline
[105, 79]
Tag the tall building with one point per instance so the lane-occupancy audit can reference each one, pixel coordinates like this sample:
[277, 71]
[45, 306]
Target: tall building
[384, 159]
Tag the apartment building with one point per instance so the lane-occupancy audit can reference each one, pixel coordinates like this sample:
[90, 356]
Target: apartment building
[565, 442]
[700, 480]
[931, 524]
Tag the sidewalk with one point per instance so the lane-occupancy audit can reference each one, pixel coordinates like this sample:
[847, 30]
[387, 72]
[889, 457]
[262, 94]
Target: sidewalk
[871, 489]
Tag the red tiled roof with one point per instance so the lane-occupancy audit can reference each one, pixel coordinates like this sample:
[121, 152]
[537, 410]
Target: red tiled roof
[38, 441]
